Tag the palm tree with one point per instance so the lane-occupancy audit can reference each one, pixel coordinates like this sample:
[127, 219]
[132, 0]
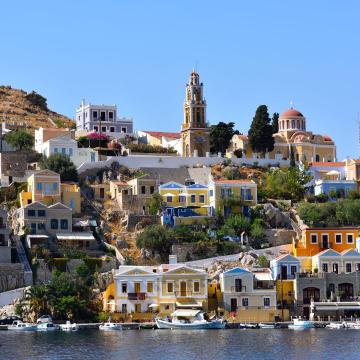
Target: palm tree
[37, 296]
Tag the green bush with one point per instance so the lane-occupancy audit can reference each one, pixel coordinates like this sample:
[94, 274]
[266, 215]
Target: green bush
[145, 148]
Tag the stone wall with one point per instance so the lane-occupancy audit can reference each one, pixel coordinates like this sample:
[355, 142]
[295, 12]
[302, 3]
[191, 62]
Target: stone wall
[11, 276]
[276, 237]
[188, 252]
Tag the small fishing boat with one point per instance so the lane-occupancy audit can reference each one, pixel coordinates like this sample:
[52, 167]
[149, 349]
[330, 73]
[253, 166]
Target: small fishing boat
[267, 326]
[22, 326]
[353, 325]
[109, 326]
[300, 324]
[189, 319]
[68, 326]
[47, 327]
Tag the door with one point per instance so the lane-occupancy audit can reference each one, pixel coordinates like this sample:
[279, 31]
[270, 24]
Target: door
[138, 308]
[283, 272]
[102, 193]
[233, 305]
[137, 287]
[325, 241]
[183, 288]
[238, 285]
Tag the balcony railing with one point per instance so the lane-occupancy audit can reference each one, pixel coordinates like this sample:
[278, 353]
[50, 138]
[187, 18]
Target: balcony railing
[137, 296]
[238, 289]
[186, 293]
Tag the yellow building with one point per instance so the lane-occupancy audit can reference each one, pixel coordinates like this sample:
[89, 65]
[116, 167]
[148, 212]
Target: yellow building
[195, 133]
[45, 186]
[292, 134]
[232, 196]
[164, 288]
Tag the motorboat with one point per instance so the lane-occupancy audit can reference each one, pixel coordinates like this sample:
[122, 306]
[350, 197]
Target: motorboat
[68, 326]
[22, 326]
[108, 326]
[249, 326]
[353, 325]
[189, 319]
[49, 326]
[267, 326]
[336, 326]
[300, 324]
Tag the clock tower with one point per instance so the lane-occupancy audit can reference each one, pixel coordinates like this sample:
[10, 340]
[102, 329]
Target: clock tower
[195, 134]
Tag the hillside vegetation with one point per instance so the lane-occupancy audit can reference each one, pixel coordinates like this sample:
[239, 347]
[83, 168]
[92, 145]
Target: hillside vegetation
[28, 110]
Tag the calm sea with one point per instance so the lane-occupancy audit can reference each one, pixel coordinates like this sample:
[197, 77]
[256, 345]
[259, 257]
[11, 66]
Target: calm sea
[176, 345]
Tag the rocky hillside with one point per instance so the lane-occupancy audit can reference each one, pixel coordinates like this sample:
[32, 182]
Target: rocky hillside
[19, 109]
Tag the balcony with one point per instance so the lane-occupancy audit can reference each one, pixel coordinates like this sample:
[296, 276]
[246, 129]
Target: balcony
[238, 289]
[137, 296]
[186, 293]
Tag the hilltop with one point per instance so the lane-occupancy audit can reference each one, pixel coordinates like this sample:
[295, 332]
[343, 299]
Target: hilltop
[21, 109]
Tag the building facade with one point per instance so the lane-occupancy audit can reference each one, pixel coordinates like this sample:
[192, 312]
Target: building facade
[195, 133]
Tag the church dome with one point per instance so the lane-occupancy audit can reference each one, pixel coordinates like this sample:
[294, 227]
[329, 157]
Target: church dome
[291, 113]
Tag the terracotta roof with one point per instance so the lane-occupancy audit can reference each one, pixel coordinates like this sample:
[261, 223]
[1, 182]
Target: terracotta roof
[327, 138]
[224, 181]
[329, 163]
[291, 112]
[124, 183]
[242, 137]
[160, 134]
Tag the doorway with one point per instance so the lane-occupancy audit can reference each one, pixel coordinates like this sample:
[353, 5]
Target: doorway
[183, 288]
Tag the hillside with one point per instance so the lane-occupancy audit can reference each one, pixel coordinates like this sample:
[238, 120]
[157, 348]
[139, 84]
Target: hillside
[21, 109]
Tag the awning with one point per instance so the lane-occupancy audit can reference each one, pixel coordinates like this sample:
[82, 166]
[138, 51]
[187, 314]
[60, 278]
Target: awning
[185, 313]
[80, 236]
[263, 276]
[184, 194]
[168, 194]
[153, 306]
[206, 206]
[189, 304]
[333, 172]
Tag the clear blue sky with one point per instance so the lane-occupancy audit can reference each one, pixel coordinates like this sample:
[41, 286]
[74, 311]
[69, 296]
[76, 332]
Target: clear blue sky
[138, 54]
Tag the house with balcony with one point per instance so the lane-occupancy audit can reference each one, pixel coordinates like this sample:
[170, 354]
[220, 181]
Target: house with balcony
[250, 295]
[164, 288]
[103, 119]
[45, 186]
[231, 197]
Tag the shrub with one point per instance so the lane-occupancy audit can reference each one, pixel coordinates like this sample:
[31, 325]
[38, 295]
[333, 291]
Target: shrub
[145, 148]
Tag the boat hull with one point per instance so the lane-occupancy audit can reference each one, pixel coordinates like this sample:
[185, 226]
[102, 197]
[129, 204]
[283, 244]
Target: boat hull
[27, 328]
[161, 324]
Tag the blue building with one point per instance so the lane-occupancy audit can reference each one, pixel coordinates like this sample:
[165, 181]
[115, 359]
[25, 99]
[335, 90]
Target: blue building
[285, 267]
[334, 186]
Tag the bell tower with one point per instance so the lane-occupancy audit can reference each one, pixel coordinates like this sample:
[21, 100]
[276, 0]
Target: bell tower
[195, 133]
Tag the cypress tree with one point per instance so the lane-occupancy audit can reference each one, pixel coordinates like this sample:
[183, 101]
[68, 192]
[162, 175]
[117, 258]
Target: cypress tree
[292, 158]
[275, 123]
[261, 132]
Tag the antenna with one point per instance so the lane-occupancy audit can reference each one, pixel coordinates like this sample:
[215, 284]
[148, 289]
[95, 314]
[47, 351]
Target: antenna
[291, 104]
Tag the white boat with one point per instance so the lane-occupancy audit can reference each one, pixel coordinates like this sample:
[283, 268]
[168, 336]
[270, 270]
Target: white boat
[353, 325]
[108, 326]
[68, 326]
[337, 326]
[300, 324]
[189, 319]
[47, 327]
[267, 326]
[22, 326]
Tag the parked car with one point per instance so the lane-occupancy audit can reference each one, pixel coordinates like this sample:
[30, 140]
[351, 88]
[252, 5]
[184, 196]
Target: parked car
[44, 319]
[8, 320]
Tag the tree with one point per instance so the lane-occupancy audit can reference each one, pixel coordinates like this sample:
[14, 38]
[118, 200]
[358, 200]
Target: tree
[292, 157]
[156, 238]
[62, 165]
[20, 139]
[38, 100]
[220, 136]
[261, 132]
[235, 225]
[275, 123]
[263, 262]
[155, 203]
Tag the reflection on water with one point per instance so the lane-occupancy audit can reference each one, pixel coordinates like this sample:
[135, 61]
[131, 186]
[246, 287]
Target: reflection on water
[179, 345]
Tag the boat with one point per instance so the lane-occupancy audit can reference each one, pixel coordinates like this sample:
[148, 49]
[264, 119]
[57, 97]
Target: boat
[336, 326]
[267, 326]
[68, 326]
[300, 324]
[22, 326]
[189, 319]
[353, 325]
[49, 326]
[108, 326]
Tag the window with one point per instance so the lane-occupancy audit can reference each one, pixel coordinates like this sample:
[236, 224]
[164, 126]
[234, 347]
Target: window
[335, 268]
[55, 186]
[41, 226]
[229, 192]
[64, 224]
[92, 157]
[72, 204]
[193, 199]
[123, 130]
[102, 115]
[357, 267]
[124, 288]
[238, 285]
[103, 128]
[111, 116]
[149, 287]
[332, 288]
[338, 238]
[96, 128]
[54, 224]
[293, 269]
[39, 186]
[124, 308]
[325, 241]
[33, 228]
[211, 193]
[143, 189]
[31, 213]
[152, 189]
[95, 115]
[182, 199]
[245, 302]
[56, 150]
[313, 238]
[266, 301]
[47, 188]
[170, 287]
[350, 238]
[41, 213]
[70, 152]
[348, 267]
[138, 308]
[63, 151]
[202, 199]
[112, 129]
[325, 268]
[169, 199]
[196, 286]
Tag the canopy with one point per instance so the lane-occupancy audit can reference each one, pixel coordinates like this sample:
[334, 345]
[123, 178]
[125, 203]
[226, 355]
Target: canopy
[153, 306]
[185, 313]
[184, 194]
[168, 194]
[190, 304]
[333, 172]
[206, 206]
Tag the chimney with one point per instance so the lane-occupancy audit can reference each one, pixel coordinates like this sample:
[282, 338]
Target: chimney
[172, 259]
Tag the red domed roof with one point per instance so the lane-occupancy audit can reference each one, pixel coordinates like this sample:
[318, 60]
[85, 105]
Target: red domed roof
[290, 113]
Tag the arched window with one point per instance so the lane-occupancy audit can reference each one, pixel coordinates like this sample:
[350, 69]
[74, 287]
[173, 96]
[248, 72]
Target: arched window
[298, 124]
[311, 293]
[346, 291]
[293, 124]
[287, 124]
